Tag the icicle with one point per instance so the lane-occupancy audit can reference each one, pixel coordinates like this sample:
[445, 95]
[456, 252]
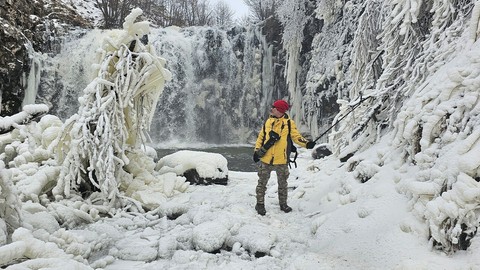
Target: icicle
[293, 18]
[33, 81]
[475, 22]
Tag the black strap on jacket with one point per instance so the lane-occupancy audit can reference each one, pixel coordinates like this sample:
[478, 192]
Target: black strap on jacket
[291, 148]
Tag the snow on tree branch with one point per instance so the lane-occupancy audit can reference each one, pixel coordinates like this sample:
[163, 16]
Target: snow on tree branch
[404, 62]
[28, 113]
[328, 9]
[439, 132]
[406, 51]
[366, 60]
[475, 22]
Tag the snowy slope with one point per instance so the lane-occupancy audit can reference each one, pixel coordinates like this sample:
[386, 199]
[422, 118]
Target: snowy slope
[87, 9]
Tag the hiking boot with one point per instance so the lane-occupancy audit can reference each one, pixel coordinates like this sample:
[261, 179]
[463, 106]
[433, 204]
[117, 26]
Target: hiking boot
[260, 209]
[285, 208]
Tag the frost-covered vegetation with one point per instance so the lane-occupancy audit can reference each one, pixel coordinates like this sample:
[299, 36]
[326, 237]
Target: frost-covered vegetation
[413, 66]
[91, 166]
[116, 110]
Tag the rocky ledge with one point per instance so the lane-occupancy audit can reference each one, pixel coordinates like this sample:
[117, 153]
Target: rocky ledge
[28, 25]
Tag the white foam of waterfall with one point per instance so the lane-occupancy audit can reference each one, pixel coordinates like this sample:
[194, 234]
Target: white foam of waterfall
[267, 72]
[70, 71]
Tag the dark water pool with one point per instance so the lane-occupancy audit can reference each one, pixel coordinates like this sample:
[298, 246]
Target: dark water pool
[239, 157]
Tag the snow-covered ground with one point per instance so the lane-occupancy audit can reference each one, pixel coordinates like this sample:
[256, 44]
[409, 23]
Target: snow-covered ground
[337, 222]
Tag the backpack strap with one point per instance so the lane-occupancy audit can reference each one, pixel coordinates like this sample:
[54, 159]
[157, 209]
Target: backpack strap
[292, 148]
[264, 133]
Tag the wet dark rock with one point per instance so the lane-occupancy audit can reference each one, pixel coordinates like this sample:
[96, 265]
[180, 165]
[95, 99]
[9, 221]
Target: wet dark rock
[28, 26]
[346, 157]
[194, 178]
[321, 151]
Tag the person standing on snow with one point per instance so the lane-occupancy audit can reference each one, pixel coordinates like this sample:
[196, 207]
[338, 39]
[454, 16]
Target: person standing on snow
[271, 150]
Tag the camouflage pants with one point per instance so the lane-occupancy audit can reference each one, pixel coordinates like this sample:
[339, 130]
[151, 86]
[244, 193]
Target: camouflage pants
[264, 171]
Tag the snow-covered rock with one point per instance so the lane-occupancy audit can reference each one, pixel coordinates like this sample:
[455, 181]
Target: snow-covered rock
[198, 167]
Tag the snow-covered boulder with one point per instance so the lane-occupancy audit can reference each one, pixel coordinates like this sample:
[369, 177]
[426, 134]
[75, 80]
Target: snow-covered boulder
[321, 151]
[198, 167]
[257, 238]
[136, 250]
[210, 236]
[42, 220]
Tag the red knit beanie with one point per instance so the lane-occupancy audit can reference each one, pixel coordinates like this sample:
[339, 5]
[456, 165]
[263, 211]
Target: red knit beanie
[281, 105]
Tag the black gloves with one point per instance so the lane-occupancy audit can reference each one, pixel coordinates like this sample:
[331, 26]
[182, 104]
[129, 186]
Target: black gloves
[256, 158]
[310, 145]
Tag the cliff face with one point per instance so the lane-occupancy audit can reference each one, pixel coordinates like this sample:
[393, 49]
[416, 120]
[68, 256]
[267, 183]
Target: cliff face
[28, 25]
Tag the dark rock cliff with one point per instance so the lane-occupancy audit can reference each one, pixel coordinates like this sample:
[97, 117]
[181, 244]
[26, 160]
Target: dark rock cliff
[28, 25]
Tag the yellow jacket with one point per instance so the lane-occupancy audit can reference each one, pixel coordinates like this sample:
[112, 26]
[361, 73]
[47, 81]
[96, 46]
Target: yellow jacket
[277, 154]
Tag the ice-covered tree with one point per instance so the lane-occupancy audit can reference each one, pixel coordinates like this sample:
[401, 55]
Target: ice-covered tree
[223, 14]
[114, 117]
[262, 9]
[13, 154]
[391, 57]
[409, 58]
[438, 131]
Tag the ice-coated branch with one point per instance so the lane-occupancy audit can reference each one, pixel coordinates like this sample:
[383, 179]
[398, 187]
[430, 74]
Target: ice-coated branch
[366, 60]
[391, 60]
[28, 113]
[438, 131]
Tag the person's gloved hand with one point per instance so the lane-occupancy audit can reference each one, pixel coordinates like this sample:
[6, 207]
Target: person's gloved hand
[310, 145]
[256, 158]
